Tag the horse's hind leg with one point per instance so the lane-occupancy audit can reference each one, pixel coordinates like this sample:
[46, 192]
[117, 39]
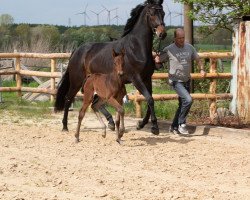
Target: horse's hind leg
[69, 99]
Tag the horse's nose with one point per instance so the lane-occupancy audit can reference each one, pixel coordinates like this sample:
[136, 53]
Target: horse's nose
[163, 35]
[160, 32]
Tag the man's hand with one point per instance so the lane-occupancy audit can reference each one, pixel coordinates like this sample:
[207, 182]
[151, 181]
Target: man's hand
[203, 73]
[154, 54]
[157, 59]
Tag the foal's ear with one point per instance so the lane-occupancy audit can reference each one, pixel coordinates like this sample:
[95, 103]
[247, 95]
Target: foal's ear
[114, 54]
[123, 51]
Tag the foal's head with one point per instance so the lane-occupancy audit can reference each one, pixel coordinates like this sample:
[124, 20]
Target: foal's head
[118, 59]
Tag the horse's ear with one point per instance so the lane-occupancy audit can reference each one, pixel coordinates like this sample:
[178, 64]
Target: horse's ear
[158, 2]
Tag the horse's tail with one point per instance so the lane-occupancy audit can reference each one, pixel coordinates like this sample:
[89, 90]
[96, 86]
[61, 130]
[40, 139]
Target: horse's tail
[61, 92]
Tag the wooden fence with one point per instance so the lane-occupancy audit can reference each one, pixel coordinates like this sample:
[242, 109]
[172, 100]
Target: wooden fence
[137, 98]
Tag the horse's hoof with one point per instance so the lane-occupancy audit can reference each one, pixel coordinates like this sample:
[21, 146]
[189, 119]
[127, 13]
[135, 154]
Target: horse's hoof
[121, 132]
[111, 126]
[65, 130]
[77, 140]
[140, 125]
[119, 141]
[104, 135]
[155, 131]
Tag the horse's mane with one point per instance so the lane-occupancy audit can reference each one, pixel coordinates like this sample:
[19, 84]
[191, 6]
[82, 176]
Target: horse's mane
[134, 15]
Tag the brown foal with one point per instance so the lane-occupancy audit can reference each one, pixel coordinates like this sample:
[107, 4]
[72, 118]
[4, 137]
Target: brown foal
[111, 90]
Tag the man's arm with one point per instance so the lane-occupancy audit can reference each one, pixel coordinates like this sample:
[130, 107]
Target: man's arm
[200, 66]
[162, 57]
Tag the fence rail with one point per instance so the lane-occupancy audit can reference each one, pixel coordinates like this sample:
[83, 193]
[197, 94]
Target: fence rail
[137, 98]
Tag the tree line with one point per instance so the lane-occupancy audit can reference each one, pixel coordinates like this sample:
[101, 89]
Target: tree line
[52, 38]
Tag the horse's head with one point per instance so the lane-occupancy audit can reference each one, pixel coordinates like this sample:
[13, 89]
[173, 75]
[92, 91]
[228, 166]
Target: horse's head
[155, 15]
[118, 61]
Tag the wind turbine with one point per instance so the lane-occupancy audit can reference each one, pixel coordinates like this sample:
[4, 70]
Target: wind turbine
[97, 15]
[84, 13]
[69, 22]
[169, 15]
[179, 14]
[108, 13]
[116, 17]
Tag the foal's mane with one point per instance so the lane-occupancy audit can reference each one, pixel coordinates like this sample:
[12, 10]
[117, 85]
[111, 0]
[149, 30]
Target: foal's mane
[134, 15]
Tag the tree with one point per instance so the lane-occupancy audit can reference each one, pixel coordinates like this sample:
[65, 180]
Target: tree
[218, 13]
[23, 33]
[6, 19]
[46, 33]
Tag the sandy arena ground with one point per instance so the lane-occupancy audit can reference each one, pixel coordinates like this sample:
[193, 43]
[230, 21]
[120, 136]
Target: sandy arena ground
[40, 162]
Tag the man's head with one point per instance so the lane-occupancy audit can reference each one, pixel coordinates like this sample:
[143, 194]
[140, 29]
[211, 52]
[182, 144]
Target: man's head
[179, 37]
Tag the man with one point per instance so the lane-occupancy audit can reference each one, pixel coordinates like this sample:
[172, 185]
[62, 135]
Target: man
[180, 56]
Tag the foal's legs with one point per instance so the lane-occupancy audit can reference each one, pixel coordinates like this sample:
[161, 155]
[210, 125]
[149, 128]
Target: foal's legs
[103, 110]
[88, 96]
[95, 107]
[113, 102]
[80, 117]
[101, 121]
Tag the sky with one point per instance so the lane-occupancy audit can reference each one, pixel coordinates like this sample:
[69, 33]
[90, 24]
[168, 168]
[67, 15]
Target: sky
[66, 12]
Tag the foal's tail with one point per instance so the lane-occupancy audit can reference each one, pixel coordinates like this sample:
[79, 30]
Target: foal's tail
[61, 92]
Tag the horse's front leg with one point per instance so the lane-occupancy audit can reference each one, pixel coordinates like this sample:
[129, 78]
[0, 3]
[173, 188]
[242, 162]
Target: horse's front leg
[142, 123]
[140, 86]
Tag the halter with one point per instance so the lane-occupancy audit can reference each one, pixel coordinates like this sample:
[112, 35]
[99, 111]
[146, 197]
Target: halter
[156, 7]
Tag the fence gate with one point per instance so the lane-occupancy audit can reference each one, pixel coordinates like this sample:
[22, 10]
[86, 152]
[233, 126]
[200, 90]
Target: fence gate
[240, 85]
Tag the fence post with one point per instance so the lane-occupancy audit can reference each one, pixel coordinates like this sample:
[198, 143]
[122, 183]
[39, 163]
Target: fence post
[1, 100]
[52, 80]
[240, 89]
[212, 89]
[18, 76]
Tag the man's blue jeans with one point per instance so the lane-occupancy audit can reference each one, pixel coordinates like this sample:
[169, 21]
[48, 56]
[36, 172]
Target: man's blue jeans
[185, 102]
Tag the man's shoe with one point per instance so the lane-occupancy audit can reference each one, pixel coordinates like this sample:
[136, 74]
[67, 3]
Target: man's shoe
[173, 130]
[183, 129]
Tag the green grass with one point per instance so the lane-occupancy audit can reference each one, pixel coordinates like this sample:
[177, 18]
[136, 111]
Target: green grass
[26, 108]
[11, 102]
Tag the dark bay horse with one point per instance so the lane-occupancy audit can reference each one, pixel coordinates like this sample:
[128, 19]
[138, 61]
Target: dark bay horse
[111, 90]
[146, 20]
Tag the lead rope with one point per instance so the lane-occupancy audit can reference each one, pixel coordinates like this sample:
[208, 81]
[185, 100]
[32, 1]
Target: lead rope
[158, 65]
